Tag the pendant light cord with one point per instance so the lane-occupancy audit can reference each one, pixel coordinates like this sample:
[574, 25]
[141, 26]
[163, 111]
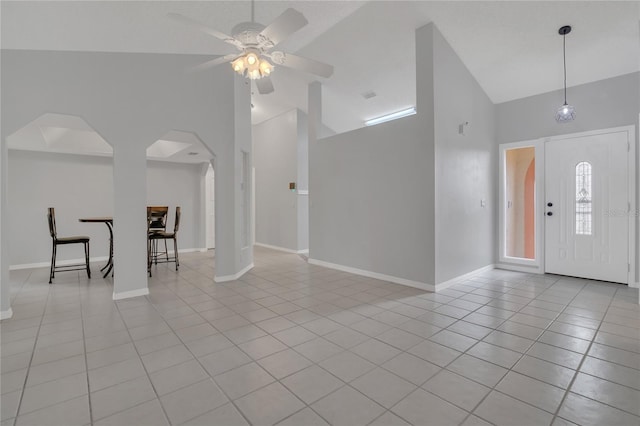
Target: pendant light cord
[564, 61]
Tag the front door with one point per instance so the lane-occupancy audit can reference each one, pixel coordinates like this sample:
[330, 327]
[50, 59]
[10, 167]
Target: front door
[587, 206]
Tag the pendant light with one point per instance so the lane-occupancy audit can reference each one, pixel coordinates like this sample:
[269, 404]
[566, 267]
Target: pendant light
[566, 112]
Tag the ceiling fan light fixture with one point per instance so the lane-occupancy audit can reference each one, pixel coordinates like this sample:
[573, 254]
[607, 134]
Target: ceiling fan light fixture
[251, 65]
[566, 112]
[265, 67]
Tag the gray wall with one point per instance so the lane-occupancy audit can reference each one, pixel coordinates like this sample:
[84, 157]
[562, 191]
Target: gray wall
[369, 207]
[82, 186]
[599, 105]
[404, 198]
[606, 103]
[275, 144]
[372, 189]
[132, 100]
[466, 167]
[173, 184]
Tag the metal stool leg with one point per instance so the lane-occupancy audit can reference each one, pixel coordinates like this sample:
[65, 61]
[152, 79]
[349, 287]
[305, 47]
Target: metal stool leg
[175, 251]
[86, 258]
[53, 262]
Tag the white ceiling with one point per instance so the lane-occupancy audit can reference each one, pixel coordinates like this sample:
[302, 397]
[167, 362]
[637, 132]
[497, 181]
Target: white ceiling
[511, 47]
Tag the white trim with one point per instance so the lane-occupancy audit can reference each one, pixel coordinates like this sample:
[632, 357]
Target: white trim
[371, 274]
[633, 202]
[464, 277]
[532, 265]
[303, 192]
[91, 260]
[6, 314]
[634, 285]
[286, 250]
[58, 263]
[129, 294]
[225, 278]
[519, 268]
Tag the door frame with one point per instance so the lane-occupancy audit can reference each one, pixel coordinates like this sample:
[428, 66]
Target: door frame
[538, 265]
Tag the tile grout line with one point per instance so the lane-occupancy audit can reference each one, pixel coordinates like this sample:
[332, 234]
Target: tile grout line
[373, 302]
[86, 363]
[493, 389]
[143, 366]
[577, 371]
[33, 350]
[199, 363]
[345, 384]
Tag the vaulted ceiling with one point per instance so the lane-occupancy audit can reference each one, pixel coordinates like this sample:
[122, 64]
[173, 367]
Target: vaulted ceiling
[511, 47]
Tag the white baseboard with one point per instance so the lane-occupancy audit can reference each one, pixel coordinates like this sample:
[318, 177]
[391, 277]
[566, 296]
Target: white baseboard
[225, 278]
[634, 285]
[131, 293]
[91, 260]
[371, 274]
[58, 263]
[286, 250]
[6, 314]
[460, 278]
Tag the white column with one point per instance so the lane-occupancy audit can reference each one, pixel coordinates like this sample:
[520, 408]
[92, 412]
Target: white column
[5, 302]
[202, 217]
[233, 257]
[314, 121]
[129, 220]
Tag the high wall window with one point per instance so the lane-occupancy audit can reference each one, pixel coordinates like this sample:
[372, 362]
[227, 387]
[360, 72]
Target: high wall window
[583, 199]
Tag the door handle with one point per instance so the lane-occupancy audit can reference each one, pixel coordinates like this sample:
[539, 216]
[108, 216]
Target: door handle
[549, 213]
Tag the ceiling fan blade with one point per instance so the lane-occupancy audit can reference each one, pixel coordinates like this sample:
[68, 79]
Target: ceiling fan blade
[264, 85]
[204, 28]
[302, 64]
[214, 62]
[284, 25]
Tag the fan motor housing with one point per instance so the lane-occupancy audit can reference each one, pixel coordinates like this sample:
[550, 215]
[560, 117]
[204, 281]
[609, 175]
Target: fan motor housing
[247, 33]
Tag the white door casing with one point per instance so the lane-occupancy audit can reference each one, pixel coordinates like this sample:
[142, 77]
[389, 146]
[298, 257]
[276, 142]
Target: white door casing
[589, 173]
[210, 208]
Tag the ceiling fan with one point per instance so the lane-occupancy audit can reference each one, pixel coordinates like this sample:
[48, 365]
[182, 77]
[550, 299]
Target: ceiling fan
[257, 44]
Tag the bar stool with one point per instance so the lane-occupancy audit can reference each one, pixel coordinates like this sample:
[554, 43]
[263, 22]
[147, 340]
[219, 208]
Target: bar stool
[51, 216]
[163, 235]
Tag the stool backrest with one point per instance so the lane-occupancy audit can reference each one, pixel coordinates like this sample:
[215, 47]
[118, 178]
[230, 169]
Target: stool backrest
[51, 217]
[157, 217]
[177, 223]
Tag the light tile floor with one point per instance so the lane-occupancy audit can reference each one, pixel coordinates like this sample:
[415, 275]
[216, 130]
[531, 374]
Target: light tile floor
[296, 344]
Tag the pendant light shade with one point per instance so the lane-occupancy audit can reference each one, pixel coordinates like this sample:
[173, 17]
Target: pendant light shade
[566, 112]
